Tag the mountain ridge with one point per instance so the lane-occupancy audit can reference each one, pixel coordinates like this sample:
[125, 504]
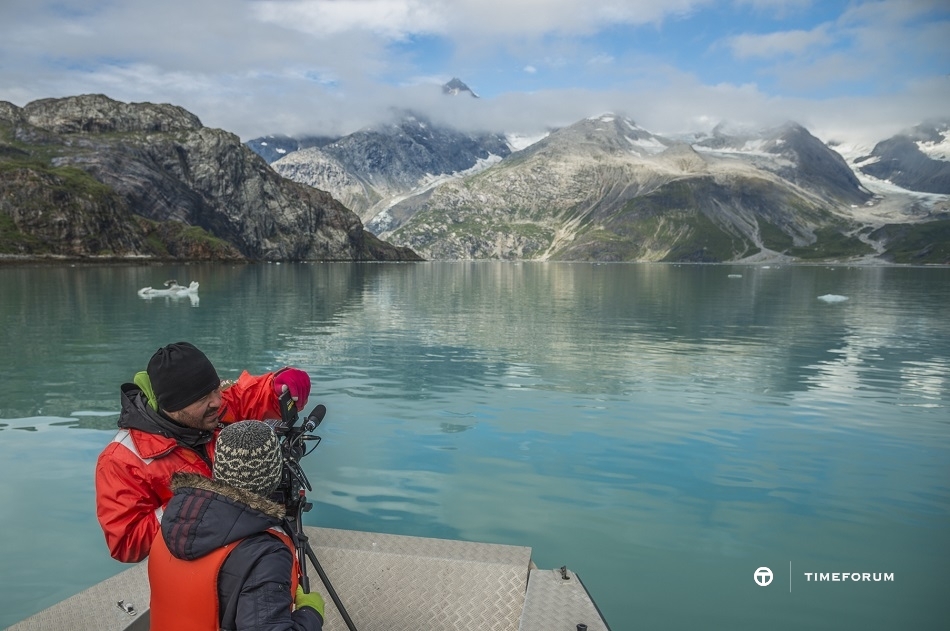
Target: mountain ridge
[600, 189]
[90, 176]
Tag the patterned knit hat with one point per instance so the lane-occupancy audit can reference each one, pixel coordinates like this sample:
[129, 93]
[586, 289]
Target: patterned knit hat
[247, 456]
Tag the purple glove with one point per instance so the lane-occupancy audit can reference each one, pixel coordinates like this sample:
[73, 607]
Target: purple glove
[296, 381]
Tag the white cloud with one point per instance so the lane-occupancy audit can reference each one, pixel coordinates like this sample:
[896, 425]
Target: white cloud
[390, 18]
[601, 60]
[486, 18]
[329, 66]
[777, 44]
[776, 7]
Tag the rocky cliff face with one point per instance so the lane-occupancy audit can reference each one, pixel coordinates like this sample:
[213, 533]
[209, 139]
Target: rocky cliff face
[39, 207]
[136, 174]
[316, 168]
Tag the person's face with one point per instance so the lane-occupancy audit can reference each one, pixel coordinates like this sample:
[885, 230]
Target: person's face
[202, 414]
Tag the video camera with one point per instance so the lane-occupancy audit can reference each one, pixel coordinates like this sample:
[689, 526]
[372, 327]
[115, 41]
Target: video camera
[293, 438]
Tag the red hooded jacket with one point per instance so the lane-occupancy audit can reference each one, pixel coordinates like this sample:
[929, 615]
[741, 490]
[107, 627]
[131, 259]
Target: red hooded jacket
[134, 470]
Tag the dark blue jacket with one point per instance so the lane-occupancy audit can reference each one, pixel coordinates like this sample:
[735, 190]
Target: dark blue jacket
[254, 581]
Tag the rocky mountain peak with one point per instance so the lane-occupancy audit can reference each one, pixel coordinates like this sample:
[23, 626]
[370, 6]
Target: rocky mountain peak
[606, 133]
[791, 152]
[370, 167]
[456, 86]
[97, 113]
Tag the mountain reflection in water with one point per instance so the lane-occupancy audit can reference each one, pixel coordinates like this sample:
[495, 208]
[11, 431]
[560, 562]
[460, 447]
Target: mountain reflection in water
[663, 430]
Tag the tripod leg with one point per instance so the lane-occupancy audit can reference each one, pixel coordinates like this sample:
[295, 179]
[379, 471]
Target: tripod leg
[330, 590]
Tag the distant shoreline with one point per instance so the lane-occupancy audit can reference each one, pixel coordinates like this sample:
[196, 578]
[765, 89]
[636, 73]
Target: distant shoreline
[51, 259]
[12, 260]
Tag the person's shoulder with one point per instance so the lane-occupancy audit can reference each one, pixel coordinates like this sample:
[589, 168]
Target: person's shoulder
[266, 539]
[264, 551]
[138, 445]
[246, 379]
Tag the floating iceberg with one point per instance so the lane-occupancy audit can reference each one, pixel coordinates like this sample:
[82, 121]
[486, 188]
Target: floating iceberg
[832, 298]
[172, 288]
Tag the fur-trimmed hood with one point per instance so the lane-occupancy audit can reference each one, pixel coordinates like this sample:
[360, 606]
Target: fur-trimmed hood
[204, 515]
[253, 500]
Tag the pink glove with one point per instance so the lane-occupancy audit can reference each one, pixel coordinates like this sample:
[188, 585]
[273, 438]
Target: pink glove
[296, 381]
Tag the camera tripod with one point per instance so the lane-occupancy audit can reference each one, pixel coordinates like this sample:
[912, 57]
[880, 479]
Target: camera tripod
[293, 487]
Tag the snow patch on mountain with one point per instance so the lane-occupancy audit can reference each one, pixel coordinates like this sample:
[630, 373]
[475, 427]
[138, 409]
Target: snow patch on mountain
[937, 150]
[517, 142]
[850, 150]
[891, 203]
[894, 204]
[752, 151]
[648, 145]
[382, 220]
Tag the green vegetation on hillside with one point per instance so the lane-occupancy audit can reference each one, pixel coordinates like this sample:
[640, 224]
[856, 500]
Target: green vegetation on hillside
[773, 238]
[13, 241]
[68, 180]
[175, 239]
[704, 241]
[830, 243]
[917, 244]
[671, 218]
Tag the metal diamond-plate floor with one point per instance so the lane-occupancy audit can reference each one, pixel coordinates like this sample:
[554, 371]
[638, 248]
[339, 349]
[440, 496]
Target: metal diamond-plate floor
[386, 583]
[557, 601]
[396, 583]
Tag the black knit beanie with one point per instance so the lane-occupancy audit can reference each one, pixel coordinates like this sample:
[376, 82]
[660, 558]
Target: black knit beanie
[247, 456]
[180, 375]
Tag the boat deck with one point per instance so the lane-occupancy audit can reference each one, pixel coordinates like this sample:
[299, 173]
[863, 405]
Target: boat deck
[386, 583]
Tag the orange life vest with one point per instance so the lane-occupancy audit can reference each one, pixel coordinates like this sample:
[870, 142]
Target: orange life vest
[185, 593]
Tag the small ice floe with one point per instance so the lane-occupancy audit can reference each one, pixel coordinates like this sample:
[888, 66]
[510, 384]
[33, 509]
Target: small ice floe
[735, 275]
[172, 288]
[832, 298]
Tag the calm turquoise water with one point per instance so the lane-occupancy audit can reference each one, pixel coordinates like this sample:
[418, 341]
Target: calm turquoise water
[662, 430]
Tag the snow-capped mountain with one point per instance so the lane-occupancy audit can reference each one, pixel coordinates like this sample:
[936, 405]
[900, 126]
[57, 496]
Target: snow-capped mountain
[371, 168]
[793, 153]
[917, 159]
[606, 188]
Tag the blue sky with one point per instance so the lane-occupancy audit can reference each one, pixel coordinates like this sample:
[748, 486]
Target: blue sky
[858, 70]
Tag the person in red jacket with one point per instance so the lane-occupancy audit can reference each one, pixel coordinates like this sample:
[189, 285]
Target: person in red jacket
[169, 421]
